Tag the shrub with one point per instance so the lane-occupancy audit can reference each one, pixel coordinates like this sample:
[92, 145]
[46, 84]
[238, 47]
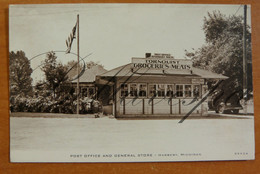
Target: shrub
[63, 104]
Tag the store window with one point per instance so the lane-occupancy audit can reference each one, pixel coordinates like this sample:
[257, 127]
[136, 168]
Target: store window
[187, 90]
[169, 91]
[161, 90]
[84, 91]
[152, 90]
[124, 90]
[133, 90]
[196, 91]
[91, 91]
[142, 90]
[179, 90]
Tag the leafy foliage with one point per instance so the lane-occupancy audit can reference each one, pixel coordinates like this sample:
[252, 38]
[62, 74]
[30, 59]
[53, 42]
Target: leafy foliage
[223, 51]
[52, 95]
[55, 73]
[63, 104]
[90, 64]
[20, 74]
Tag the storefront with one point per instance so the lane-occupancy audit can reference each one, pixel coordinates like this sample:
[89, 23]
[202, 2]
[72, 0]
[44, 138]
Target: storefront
[158, 85]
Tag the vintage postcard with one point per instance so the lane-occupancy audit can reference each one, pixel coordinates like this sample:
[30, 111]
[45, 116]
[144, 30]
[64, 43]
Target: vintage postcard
[130, 83]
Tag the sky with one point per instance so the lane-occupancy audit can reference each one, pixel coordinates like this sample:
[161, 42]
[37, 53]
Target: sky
[111, 33]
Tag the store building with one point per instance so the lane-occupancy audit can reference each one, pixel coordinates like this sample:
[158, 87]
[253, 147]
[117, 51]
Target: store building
[157, 85]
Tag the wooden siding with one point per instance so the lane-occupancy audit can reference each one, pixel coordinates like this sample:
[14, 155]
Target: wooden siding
[162, 106]
[158, 106]
[133, 106]
[190, 104]
[147, 106]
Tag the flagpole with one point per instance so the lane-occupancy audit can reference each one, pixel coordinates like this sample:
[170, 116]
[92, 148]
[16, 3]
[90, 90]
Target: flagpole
[78, 64]
[245, 92]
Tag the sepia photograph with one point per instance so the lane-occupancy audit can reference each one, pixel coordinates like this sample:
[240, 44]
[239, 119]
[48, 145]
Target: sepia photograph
[130, 83]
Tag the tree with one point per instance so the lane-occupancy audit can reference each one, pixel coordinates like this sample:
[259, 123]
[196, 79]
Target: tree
[223, 51]
[90, 64]
[20, 74]
[72, 68]
[55, 73]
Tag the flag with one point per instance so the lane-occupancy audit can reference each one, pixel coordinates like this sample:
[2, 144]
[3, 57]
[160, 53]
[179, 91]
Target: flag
[70, 38]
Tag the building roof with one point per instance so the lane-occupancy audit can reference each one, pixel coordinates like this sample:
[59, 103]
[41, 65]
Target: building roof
[89, 75]
[208, 74]
[127, 70]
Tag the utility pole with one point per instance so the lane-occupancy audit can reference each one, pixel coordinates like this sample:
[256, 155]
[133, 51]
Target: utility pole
[78, 64]
[244, 59]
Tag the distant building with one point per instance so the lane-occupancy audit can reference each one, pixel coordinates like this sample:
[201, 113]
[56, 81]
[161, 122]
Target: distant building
[87, 85]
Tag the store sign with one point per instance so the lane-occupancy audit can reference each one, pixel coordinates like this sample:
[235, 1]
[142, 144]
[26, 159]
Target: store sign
[197, 81]
[159, 55]
[162, 63]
